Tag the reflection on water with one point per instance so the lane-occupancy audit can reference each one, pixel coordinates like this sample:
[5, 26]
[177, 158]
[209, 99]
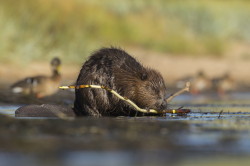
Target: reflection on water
[8, 109]
[118, 158]
[104, 158]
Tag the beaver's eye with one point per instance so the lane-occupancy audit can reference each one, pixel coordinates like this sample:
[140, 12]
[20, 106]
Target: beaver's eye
[144, 76]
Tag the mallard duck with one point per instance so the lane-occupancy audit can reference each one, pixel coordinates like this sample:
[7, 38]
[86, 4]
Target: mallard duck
[40, 86]
[224, 84]
[200, 83]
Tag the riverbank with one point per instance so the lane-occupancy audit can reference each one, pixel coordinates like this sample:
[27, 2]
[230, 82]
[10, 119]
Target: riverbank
[171, 67]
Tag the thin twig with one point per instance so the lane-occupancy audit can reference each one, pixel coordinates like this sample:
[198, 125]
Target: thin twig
[180, 108]
[126, 99]
[220, 114]
[185, 89]
[115, 93]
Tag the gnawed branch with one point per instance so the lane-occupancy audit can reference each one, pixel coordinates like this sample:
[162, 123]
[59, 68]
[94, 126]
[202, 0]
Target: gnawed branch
[185, 89]
[126, 99]
[115, 93]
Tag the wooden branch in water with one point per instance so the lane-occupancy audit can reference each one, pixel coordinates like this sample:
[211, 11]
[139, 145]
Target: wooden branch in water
[127, 100]
[177, 111]
[185, 89]
[115, 93]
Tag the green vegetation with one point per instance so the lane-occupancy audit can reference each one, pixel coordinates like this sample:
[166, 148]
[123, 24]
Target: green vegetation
[72, 29]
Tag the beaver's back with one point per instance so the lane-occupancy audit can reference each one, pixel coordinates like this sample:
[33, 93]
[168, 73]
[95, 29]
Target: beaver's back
[115, 69]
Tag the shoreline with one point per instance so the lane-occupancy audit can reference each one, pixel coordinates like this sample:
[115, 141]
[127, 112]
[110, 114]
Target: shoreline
[171, 67]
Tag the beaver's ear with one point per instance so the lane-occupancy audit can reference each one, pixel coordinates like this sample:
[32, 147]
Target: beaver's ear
[144, 76]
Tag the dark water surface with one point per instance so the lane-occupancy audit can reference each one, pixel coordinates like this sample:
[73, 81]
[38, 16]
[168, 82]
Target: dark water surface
[216, 132]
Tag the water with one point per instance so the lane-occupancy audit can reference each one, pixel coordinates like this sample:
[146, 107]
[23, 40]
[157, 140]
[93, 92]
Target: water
[214, 128]
[8, 109]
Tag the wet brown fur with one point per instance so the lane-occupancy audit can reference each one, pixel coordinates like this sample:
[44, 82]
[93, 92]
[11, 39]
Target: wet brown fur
[115, 69]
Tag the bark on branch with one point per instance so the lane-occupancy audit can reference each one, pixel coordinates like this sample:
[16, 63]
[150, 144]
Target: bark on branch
[185, 89]
[126, 99]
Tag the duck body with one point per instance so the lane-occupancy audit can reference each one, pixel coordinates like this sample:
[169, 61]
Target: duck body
[224, 84]
[199, 83]
[39, 86]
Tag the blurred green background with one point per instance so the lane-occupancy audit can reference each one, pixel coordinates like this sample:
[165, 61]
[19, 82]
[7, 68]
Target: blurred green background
[34, 30]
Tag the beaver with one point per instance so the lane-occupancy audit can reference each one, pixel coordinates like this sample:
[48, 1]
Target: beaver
[116, 69]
